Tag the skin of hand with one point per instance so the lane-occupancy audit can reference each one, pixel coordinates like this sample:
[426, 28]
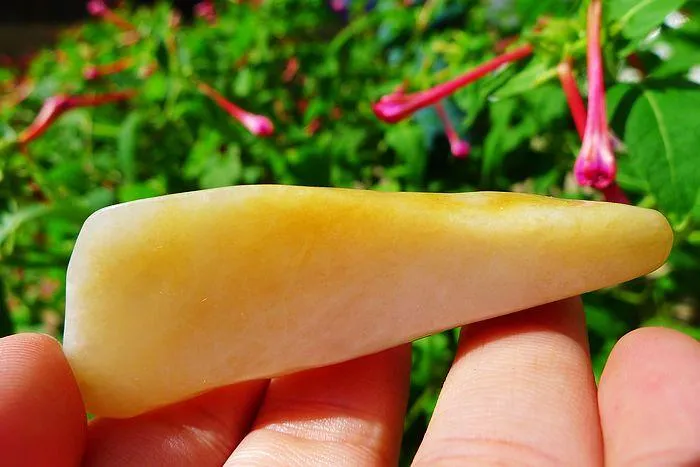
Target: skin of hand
[520, 392]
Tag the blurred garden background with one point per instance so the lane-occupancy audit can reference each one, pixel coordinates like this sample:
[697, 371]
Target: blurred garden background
[107, 102]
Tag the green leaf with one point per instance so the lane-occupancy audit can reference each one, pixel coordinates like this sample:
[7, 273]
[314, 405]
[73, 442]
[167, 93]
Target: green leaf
[616, 97]
[134, 191]
[604, 322]
[535, 74]
[76, 209]
[155, 89]
[684, 51]
[515, 121]
[6, 326]
[667, 322]
[637, 18]
[10, 222]
[126, 146]
[600, 358]
[213, 165]
[408, 142]
[163, 56]
[662, 138]
[499, 139]
[223, 171]
[243, 83]
[531, 10]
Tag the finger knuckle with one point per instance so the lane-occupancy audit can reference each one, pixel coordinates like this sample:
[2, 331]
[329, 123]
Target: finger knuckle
[485, 452]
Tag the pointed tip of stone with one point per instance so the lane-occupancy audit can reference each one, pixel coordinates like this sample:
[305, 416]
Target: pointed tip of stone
[642, 238]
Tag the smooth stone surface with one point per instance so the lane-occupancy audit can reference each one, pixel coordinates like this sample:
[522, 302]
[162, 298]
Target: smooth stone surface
[170, 297]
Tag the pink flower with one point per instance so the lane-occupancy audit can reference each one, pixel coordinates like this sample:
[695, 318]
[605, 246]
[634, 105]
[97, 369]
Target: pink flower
[290, 70]
[398, 106]
[17, 93]
[338, 5]
[175, 19]
[206, 10]
[57, 105]
[258, 125]
[573, 96]
[614, 194]
[100, 8]
[97, 7]
[595, 165]
[458, 147]
[147, 70]
[313, 126]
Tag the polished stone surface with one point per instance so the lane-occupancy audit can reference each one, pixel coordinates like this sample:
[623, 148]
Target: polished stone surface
[172, 296]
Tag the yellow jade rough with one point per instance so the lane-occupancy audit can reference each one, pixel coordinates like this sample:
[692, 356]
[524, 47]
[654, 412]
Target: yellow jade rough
[173, 296]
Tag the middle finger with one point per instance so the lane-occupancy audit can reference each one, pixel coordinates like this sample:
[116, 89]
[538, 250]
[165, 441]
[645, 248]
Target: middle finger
[520, 392]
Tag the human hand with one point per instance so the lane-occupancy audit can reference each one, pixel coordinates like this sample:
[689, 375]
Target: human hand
[520, 392]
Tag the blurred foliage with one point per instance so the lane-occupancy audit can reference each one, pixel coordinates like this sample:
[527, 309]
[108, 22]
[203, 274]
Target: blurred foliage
[315, 73]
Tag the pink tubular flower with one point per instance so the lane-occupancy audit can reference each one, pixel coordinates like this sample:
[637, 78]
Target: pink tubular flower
[93, 72]
[573, 96]
[129, 38]
[336, 113]
[290, 70]
[206, 10]
[147, 70]
[595, 165]
[99, 8]
[459, 147]
[258, 125]
[17, 94]
[313, 126]
[614, 194]
[398, 106]
[175, 19]
[57, 105]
